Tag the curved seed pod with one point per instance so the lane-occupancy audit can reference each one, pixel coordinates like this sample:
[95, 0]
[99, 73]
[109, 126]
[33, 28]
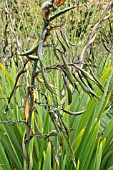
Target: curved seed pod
[60, 138]
[86, 78]
[91, 77]
[69, 95]
[87, 89]
[85, 73]
[81, 77]
[99, 84]
[31, 51]
[65, 133]
[64, 49]
[40, 50]
[54, 49]
[68, 43]
[32, 57]
[73, 113]
[88, 82]
[65, 39]
[61, 12]
[92, 92]
[40, 54]
[68, 73]
[34, 48]
[68, 91]
[64, 126]
[46, 82]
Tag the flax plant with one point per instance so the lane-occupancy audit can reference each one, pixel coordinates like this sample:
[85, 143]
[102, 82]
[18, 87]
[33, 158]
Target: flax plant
[53, 108]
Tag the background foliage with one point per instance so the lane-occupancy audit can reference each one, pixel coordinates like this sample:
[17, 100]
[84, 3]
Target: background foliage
[85, 139]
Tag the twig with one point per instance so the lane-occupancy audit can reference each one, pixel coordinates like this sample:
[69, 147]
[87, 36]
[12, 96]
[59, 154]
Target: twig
[60, 66]
[12, 122]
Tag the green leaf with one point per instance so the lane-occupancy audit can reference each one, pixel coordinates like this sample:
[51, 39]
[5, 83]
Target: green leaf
[110, 168]
[76, 142]
[4, 159]
[47, 158]
[78, 164]
[98, 156]
[7, 75]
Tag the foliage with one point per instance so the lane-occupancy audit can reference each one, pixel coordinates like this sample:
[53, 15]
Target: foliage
[54, 110]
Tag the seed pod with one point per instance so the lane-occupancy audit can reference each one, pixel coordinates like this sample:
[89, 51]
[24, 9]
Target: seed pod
[46, 82]
[99, 84]
[86, 88]
[32, 57]
[73, 113]
[68, 91]
[29, 52]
